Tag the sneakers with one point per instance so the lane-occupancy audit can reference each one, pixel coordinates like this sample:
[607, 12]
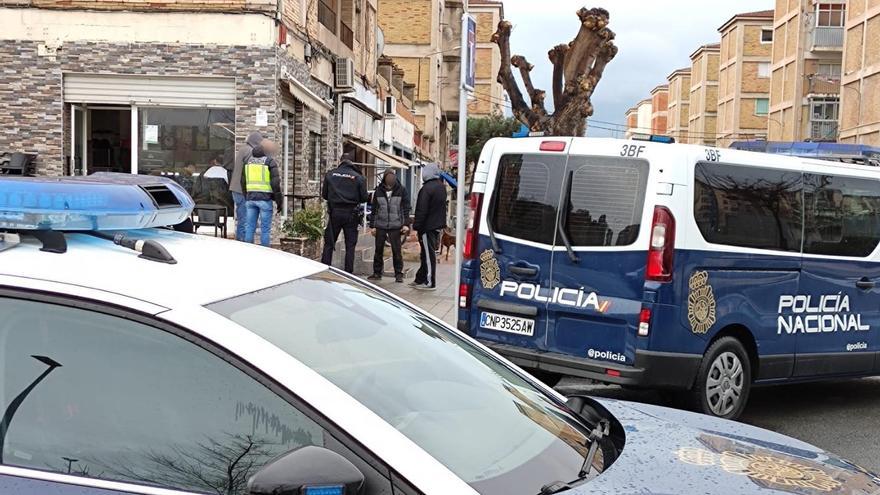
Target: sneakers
[398, 278]
[424, 287]
[375, 276]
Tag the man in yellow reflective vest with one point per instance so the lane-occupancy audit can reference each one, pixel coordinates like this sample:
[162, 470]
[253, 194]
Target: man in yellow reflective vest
[262, 187]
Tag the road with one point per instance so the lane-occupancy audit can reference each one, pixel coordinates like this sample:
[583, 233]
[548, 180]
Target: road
[842, 417]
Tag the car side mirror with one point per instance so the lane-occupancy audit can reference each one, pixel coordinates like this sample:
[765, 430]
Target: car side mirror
[307, 471]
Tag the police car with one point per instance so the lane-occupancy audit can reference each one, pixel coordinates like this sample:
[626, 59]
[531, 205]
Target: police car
[139, 360]
[671, 266]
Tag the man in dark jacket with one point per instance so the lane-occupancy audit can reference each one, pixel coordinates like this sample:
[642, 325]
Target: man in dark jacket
[262, 185]
[344, 189]
[430, 220]
[235, 182]
[390, 214]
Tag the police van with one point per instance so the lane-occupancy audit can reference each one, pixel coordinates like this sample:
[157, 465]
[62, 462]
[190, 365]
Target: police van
[687, 268]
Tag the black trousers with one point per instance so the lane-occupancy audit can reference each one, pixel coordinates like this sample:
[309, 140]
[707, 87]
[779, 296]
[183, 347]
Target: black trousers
[427, 273]
[393, 236]
[341, 221]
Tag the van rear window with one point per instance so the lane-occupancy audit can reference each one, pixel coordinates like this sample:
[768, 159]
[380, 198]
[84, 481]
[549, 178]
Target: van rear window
[527, 196]
[607, 200]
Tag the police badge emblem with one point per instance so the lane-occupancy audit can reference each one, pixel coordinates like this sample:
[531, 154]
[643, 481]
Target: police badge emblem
[701, 303]
[490, 273]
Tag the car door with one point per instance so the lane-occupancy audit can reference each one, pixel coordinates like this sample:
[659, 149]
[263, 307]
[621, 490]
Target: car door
[520, 212]
[838, 310]
[99, 402]
[600, 255]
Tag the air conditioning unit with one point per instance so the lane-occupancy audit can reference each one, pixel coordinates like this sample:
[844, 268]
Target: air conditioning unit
[344, 74]
[390, 108]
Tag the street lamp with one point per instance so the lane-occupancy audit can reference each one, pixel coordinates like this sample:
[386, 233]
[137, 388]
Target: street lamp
[16, 402]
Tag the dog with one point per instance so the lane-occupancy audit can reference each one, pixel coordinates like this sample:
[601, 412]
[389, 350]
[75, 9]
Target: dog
[447, 240]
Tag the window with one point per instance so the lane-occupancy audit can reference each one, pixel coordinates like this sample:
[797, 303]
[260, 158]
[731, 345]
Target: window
[762, 106]
[490, 427]
[327, 14]
[748, 206]
[829, 72]
[842, 215]
[824, 113]
[766, 35]
[315, 168]
[607, 200]
[764, 69]
[831, 14]
[114, 399]
[527, 195]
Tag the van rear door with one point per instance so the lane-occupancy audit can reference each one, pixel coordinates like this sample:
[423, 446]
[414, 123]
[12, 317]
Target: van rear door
[520, 208]
[599, 263]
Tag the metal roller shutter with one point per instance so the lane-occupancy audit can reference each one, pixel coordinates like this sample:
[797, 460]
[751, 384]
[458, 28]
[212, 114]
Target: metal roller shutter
[150, 90]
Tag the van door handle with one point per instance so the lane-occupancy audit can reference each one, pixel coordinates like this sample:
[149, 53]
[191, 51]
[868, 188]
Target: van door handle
[523, 271]
[865, 284]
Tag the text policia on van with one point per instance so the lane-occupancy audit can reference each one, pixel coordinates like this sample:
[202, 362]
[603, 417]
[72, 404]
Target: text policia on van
[817, 314]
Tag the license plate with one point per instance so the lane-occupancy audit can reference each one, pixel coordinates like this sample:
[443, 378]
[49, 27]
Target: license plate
[509, 324]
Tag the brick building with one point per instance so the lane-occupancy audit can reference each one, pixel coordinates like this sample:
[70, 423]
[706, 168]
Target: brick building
[860, 97]
[679, 83]
[703, 105]
[489, 97]
[744, 77]
[659, 109]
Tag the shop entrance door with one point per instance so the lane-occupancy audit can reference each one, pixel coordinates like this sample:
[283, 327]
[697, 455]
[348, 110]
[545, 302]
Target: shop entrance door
[109, 139]
[78, 141]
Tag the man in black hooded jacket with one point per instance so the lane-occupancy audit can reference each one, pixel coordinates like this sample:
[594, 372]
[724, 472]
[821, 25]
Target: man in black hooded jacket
[430, 220]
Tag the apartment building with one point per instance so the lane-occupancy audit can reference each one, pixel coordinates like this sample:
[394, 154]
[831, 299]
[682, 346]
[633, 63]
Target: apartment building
[659, 107]
[808, 39]
[171, 87]
[860, 96]
[632, 122]
[489, 97]
[678, 104]
[645, 114]
[703, 104]
[744, 77]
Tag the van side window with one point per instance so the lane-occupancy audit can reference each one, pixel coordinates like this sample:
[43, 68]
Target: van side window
[527, 195]
[749, 206]
[842, 215]
[607, 200]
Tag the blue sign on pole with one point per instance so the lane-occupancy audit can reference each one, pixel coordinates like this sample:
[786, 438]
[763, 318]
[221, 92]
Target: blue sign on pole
[470, 78]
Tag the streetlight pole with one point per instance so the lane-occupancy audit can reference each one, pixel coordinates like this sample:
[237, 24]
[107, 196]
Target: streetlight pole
[462, 153]
[16, 402]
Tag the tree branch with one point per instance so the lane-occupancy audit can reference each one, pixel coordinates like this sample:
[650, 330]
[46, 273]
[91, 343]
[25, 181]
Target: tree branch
[557, 57]
[535, 95]
[505, 77]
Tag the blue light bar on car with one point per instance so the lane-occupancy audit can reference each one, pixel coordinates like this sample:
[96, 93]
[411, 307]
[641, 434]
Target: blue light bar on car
[102, 201]
[654, 138]
[324, 490]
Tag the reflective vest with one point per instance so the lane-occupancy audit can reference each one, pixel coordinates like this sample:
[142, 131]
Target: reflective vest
[256, 175]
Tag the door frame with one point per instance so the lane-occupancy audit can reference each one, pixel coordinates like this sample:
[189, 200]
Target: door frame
[83, 110]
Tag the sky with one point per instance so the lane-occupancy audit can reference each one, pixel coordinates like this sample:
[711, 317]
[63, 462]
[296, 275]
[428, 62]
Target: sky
[653, 37]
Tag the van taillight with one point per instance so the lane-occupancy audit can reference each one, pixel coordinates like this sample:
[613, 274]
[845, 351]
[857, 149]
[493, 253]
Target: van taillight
[472, 232]
[662, 248]
[464, 295]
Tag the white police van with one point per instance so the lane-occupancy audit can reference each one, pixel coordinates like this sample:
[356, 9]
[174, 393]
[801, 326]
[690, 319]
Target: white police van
[673, 266]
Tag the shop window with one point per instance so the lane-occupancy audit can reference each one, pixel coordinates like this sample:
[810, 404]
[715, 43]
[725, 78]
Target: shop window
[314, 156]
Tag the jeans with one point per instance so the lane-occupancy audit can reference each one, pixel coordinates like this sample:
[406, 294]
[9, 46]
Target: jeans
[263, 210]
[341, 220]
[393, 237]
[427, 274]
[240, 214]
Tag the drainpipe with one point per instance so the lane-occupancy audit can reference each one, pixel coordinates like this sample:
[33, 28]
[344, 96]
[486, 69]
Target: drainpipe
[285, 167]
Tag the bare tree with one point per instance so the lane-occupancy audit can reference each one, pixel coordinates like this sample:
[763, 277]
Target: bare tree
[577, 69]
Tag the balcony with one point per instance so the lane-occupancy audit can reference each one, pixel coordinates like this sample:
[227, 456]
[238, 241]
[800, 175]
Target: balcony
[346, 35]
[823, 130]
[827, 38]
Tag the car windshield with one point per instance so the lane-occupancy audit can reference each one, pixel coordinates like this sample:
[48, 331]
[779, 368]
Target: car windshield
[492, 428]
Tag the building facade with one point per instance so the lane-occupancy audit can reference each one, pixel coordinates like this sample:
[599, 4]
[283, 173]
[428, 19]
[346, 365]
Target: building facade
[632, 122]
[808, 39]
[744, 77]
[678, 105]
[860, 95]
[659, 107]
[703, 104]
[489, 97]
[645, 113]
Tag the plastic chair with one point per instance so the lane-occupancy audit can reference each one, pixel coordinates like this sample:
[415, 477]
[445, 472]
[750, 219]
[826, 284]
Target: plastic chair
[210, 217]
[20, 164]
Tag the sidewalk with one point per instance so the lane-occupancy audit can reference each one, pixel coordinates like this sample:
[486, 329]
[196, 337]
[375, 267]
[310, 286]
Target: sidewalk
[440, 303]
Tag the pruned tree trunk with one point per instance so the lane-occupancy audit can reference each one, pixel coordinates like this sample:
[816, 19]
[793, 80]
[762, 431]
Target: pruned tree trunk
[577, 69]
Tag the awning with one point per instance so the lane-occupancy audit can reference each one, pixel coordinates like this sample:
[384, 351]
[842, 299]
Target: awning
[393, 161]
[309, 98]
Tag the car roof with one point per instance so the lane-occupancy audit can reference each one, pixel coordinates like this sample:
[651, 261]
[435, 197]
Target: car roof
[207, 269]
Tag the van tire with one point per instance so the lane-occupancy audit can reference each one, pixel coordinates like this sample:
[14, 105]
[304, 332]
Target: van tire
[548, 378]
[724, 380]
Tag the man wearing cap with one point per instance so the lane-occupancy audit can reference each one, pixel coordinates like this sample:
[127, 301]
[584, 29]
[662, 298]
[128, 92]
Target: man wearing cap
[344, 189]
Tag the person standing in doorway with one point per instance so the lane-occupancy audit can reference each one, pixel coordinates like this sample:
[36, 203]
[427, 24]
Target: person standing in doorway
[344, 189]
[262, 186]
[430, 220]
[235, 182]
[390, 215]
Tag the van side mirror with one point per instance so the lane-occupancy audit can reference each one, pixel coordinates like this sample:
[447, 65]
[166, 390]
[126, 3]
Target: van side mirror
[307, 470]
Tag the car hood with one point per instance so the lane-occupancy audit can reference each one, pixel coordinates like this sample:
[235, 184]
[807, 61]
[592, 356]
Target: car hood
[674, 452]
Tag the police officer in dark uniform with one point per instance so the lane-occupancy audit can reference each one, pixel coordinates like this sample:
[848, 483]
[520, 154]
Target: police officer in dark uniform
[344, 189]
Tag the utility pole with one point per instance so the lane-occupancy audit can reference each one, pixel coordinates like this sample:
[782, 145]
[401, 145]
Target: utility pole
[466, 62]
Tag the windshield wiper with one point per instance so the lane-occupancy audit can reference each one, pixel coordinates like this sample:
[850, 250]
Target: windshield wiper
[561, 224]
[596, 435]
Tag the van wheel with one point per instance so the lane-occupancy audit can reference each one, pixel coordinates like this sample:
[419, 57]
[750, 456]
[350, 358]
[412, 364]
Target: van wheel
[546, 377]
[724, 380]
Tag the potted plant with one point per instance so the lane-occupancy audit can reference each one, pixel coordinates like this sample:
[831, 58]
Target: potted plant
[302, 232]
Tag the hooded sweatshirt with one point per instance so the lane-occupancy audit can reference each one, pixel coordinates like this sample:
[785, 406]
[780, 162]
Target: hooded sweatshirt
[253, 140]
[431, 203]
[274, 179]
